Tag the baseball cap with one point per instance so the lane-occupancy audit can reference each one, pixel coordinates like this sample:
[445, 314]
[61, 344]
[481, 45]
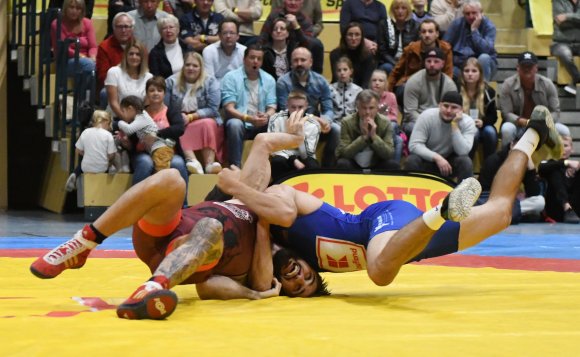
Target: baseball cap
[527, 58]
[433, 53]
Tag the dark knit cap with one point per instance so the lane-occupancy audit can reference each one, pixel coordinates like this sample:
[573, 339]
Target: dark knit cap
[452, 97]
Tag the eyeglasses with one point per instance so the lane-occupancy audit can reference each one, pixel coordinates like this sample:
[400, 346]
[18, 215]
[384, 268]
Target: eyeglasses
[123, 27]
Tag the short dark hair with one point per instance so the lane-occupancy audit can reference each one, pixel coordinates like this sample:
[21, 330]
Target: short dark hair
[429, 21]
[321, 286]
[157, 81]
[132, 101]
[253, 47]
[225, 21]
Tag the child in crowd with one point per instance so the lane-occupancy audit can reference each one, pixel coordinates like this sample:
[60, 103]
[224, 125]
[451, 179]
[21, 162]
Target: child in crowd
[420, 11]
[389, 108]
[135, 120]
[344, 91]
[96, 146]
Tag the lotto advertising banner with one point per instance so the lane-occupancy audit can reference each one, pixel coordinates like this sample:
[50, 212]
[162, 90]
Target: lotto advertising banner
[330, 8]
[354, 192]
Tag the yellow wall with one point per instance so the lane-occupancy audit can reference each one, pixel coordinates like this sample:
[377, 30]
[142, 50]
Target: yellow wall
[3, 109]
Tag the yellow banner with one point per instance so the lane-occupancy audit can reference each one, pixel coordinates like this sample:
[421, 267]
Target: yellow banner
[355, 192]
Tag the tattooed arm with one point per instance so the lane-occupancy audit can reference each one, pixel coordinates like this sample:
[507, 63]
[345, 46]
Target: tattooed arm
[223, 288]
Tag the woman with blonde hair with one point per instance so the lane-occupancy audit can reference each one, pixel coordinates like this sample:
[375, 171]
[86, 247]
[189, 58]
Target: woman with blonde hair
[395, 33]
[75, 26]
[479, 103]
[127, 78]
[199, 95]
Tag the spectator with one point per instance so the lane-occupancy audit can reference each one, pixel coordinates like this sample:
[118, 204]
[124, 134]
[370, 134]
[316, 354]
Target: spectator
[110, 51]
[442, 139]
[520, 93]
[115, 7]
[479, 102]
[127, 78]
[199, 27]
[225, 55]
[425, 88]
[97, 148]
[395, 33]
[444, 12]
[527, 208]
[286, 161]
[136, 121]
[566, 38]
[473, 35]
[249, 100]
[343, 91]
[411, 60]
[368, 13]
[145, 17]
[563, 189]
[301, 77]
[76, 26]
[278, 48]
[300, 28]
[166, 58]
[389, 108]
[366, 137]
[244, 12]
[199, 95]
[420, 11]
[312, 10]
[169, 124]
[178, 8]
[352, 46]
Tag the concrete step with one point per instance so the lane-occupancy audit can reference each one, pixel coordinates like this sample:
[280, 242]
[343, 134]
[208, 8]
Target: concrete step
[509, 36]
[510, 49]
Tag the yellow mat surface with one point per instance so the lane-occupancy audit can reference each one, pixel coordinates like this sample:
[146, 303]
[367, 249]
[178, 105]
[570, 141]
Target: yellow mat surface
[429, 310]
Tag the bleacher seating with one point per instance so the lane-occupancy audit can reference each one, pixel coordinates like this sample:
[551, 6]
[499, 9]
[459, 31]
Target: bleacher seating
[512, 38]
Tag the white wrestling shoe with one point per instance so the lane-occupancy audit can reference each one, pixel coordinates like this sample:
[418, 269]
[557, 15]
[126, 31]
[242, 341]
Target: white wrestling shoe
[457, 205]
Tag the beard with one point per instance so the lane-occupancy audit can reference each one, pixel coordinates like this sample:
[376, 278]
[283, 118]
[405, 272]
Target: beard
[281, 259]
[300, 71]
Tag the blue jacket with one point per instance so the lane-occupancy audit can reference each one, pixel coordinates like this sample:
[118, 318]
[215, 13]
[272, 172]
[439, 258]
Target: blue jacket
[467, 44]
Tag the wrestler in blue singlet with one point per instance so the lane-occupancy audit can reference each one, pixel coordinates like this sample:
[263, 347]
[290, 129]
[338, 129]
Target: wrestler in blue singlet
[330, 239]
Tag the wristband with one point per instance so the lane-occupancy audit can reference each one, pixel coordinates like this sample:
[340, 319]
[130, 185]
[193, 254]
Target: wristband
[235, 10]
[202, 38]
[297, 27]
[566, 162]
[245, 117]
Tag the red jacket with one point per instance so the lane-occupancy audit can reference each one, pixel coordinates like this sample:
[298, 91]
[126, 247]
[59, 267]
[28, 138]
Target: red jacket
[411, 62]
[109, 54]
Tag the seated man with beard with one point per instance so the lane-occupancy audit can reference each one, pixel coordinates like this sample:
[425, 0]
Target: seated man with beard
[387, 234]
[214, 245]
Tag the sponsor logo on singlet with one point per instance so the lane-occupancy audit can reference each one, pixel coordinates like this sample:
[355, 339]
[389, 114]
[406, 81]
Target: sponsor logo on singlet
[240, 213]
[340, 256]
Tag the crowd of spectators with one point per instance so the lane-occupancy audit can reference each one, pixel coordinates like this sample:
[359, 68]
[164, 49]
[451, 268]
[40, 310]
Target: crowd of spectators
[410, 86]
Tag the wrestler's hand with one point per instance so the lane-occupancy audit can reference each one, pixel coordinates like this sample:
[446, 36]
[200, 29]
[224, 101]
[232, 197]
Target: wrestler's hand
[273, 292]
[228, 179]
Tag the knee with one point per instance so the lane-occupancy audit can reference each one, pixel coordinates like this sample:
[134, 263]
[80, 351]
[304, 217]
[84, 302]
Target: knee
[234, 126]
[210, 225]
[413, 162]
[489, 132]
[484, 58]
[169, 181]
[464, 162]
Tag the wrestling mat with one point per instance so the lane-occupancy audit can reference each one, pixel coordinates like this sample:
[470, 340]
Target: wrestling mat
[514, 295]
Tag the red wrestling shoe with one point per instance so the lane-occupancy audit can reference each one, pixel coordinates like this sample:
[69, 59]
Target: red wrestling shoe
[70, 255]
[150, 301]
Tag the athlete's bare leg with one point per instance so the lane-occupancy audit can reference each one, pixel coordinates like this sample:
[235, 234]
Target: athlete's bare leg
[388, 251]
[156, 199]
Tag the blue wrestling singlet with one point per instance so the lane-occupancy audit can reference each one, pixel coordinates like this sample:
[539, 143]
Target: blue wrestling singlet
[330, 239]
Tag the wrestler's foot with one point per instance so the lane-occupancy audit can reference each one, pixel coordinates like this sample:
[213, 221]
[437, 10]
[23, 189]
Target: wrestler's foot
[150, 301]
[542, 122]
[457, 205]
[70, 255]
